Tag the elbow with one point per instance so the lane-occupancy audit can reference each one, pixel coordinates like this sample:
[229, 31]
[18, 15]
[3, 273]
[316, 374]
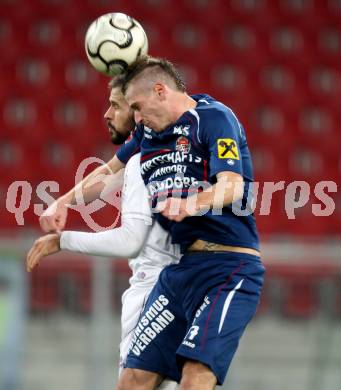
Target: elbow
[135, 243]
[232, 185]
[134, 249]
[132, 254]
[238, 191]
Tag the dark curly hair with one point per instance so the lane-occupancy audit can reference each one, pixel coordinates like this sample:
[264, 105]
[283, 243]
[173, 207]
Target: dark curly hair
[116, 81]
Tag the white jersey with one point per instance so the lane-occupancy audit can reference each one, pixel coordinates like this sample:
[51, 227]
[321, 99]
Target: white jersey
[139, 234]
[157, 252]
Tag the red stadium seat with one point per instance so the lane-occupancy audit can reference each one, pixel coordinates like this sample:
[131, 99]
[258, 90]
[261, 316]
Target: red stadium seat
[306, 164]
[80, 76]
[190, 40]
[230, 78]
[269, 123]
[300, 287]
[324, 84]
[333, 10]
[205, 12]
[270, 213]
[121, 272]
[280, 86]
[58, 284]
[155, 10]
[243, 44]
[13, 161]
[309, 221]
[57, 162]
[20, 116]
[9, 43]
[327, 44]
[334, 221]
[300, 298]
[317, 121]
[303, 12]
[286, 43]
[256, 12]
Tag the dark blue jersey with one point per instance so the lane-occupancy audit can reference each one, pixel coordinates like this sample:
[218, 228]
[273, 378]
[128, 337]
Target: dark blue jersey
[186, 156]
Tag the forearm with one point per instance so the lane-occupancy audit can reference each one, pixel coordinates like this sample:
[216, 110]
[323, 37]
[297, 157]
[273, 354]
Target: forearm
[123, 242]
[221, 194]
[228, 189]
[89, 188]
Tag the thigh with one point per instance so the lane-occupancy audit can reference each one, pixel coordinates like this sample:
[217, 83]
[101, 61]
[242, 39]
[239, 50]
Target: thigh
[133, 302]
[220, 319]
[158, 333]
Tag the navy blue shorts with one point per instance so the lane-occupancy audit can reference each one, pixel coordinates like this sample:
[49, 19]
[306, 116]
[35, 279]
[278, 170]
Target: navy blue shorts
[198, 310]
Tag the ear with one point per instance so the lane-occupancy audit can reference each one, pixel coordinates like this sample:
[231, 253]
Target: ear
[160, 90]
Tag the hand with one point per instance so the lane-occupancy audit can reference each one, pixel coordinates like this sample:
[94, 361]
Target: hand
[54, 217]
[175, 209]
[43, 246]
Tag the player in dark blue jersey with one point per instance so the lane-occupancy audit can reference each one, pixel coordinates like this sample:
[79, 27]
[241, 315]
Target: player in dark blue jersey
[193, 148]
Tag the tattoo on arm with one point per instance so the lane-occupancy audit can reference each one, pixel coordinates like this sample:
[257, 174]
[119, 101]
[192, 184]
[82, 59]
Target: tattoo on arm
[209, 246]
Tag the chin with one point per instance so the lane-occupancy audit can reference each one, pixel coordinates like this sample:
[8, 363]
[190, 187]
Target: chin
[118, 139]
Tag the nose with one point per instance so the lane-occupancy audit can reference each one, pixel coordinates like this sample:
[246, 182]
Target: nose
[137, 117]
[110, 114]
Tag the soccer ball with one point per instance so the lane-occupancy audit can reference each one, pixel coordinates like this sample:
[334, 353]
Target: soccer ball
[113, 42]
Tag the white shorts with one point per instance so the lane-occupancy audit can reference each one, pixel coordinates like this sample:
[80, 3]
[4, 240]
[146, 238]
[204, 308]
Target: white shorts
[133, 301]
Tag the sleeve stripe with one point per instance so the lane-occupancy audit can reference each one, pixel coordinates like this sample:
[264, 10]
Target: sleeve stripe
[195, 114]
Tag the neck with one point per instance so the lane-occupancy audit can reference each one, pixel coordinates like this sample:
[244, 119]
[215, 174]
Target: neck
[178, 105]
[182, 103]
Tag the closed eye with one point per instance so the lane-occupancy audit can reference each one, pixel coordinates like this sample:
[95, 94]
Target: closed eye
[135, 107]
[114, 105]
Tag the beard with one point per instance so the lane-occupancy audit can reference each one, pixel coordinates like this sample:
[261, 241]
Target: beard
[117, 138]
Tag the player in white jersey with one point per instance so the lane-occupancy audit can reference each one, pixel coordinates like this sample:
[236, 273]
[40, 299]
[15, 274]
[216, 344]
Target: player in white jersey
[139, 238]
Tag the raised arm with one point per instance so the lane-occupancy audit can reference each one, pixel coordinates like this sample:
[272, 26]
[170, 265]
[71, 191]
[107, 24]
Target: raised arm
[123, 242]
[91, 187]
[222, 135]
[54, 217]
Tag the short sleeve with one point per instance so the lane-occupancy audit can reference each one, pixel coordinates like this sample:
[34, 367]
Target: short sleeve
[135, 199]
[131, 146]
[220, 132]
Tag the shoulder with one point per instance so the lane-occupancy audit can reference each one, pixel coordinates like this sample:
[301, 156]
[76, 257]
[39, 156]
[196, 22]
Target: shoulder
[217, 116]
[138, 131]
[216, 111]
[133, 165]
[136, 135]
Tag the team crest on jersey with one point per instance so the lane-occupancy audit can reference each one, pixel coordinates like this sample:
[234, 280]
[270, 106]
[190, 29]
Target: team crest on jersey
[183, 145]
[227, 148]
[181, 130]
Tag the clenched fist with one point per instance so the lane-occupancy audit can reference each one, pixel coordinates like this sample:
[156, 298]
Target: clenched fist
[54, 217]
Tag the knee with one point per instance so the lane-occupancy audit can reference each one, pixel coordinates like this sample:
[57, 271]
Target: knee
[124, 381]
[197, 376]
[137, 379]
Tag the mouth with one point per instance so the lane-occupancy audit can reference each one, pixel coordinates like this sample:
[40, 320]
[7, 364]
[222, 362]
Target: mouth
[111, 129]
